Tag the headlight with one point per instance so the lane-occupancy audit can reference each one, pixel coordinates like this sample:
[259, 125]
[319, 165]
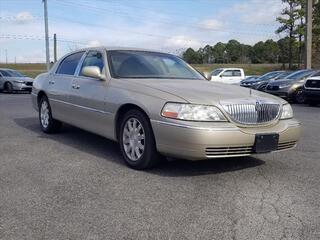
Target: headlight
[18, 81]
[192, 112]
[284, 86]
[286, 112]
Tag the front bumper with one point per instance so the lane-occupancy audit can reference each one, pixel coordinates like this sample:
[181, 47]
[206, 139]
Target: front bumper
[219, 139]
[22, 86]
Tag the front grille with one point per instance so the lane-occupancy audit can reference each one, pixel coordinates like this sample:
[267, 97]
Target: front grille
[253, 113]
[28, 83]
[311, 83]
[222, 151]
[286, 145]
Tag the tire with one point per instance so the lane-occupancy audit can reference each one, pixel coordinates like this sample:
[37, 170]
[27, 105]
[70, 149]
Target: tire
[262, 88]
[8, 88]
[136, 133]
[47, 123]
[299, 96]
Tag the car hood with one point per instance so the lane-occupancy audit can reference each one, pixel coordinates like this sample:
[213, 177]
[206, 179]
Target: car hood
[283, 82]
[203, 92]
[25, 79]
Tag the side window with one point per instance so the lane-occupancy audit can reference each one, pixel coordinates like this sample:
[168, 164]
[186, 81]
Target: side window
[93, 58]
[4, 73]
[69, 64]
[227, 73]
[236, 73]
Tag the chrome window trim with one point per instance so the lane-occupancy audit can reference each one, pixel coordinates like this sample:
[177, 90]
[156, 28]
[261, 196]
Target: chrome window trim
[79, 106]
[196, 127]
[62, 60]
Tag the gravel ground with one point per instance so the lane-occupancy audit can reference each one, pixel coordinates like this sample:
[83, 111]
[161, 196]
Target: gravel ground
[74, 185]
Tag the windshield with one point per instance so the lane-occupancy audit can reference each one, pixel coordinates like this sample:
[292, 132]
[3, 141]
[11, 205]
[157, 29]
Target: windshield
[11, 73]
[268, 76]
[216, 72]
[283, 75]
[141, 64]
[299, 74]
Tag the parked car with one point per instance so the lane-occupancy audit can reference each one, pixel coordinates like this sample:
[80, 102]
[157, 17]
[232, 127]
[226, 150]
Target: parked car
[290, 88]
[311, 89]
[154, 103]
[12, 80]
[250, 78]
[227, 75]
[261, 82]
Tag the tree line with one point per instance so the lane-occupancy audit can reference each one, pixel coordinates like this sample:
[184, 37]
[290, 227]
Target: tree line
[288, 50]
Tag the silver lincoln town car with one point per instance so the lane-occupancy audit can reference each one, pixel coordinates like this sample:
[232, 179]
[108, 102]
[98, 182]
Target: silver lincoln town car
[155, 104]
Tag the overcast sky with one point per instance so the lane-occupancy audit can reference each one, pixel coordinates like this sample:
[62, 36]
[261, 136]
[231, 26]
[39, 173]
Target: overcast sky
[166, 25]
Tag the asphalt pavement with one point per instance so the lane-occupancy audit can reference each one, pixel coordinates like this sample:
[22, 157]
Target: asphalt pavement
[74, 185]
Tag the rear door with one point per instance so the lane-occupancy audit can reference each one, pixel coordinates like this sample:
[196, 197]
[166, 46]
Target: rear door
[59, 87]
[88, 95]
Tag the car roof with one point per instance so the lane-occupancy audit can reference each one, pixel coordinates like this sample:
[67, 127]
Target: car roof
[110, 48]
[8, 69]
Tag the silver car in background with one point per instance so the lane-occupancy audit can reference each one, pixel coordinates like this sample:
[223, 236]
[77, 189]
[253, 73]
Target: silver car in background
[155, 104]
[12, 80]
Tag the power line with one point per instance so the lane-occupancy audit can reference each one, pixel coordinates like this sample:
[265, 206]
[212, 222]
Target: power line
[189, 25]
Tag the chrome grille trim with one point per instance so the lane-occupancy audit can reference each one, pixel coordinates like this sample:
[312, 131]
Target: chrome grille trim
[249, 112]
[286, 145]
[224, 151]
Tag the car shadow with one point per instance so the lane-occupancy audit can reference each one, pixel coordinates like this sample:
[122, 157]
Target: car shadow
[109, 150]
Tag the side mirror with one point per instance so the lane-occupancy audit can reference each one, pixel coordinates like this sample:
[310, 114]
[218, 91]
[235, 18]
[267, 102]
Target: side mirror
[207, 75]
[93, 72]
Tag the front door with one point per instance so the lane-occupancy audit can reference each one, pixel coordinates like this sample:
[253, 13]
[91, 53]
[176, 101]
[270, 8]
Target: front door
[88, 96]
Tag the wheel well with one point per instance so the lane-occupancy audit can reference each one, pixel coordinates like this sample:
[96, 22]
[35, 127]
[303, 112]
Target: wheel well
[40, 95]
[122, 111]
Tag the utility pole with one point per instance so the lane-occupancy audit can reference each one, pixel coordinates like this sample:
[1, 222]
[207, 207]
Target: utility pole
[45, 8]
[55, 47]
[6, 56]
[308, 36]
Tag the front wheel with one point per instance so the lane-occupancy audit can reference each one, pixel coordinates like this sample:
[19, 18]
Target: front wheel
[299, 96]
[8, 87]
[137, 142]
[47, 123]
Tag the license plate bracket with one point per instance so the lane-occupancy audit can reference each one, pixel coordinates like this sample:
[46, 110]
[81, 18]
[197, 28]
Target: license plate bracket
[265, 143]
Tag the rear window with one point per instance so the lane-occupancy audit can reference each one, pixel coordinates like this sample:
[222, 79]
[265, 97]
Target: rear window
[300, 74]
[69, 65]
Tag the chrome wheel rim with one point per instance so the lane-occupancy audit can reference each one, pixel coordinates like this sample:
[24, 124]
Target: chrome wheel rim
[300, 97]
[133, 139]
[44, 114]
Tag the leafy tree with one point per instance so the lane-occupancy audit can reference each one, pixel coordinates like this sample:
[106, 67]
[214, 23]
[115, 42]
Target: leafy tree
[191, 56]
[233, 50]
[316, 35]
[290, 15]
[257, 52]
[219, 52]
[271, 51]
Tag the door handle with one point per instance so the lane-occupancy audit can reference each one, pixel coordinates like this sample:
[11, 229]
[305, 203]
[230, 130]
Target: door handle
[51, 82]
[75, 86]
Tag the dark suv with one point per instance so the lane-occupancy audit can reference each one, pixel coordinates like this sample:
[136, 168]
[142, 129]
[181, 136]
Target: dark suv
[311, 89]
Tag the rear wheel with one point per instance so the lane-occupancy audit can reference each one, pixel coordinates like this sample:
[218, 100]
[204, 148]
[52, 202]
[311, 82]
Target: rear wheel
[299, 96]
[8, 87]
[137, 141]
[47, 123]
